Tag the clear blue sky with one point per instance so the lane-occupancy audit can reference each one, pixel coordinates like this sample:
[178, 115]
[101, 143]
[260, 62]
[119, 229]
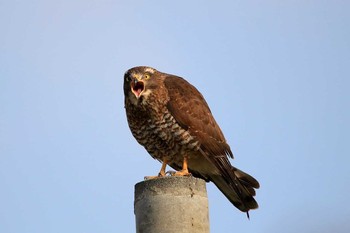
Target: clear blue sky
[275, 73]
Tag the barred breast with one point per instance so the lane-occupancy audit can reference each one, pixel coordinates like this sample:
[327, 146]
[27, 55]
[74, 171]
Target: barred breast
[160, 134]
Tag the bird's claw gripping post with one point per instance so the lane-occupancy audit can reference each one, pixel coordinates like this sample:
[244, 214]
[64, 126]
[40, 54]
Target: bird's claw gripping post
[171, 173]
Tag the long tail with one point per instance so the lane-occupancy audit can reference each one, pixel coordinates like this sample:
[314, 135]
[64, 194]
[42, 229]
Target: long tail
[239, 188]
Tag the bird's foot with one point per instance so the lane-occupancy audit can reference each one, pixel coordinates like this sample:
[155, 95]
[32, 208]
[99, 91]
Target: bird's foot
[170, 173]
[160, 174]
[183, 172]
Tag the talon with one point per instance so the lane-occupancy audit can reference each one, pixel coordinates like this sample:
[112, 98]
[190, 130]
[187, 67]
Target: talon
[171, 173]
[182, 173]
[150, 177]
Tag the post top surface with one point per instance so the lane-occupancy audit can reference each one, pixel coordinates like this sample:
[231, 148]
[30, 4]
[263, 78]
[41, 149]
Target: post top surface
[173, 185]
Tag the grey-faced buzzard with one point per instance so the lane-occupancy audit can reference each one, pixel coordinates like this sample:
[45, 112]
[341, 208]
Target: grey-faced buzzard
[171, 119]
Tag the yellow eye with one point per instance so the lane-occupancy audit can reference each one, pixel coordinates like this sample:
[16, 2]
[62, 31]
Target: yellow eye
[147, 76]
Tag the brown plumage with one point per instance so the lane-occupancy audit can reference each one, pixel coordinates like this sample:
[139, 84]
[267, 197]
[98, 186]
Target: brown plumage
[171, 119]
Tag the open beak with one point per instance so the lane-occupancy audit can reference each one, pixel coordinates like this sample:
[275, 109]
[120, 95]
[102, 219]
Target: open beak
[137, 87]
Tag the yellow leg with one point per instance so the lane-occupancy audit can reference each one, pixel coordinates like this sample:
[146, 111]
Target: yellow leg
[162, 169]
[161, 172]
[184, 171]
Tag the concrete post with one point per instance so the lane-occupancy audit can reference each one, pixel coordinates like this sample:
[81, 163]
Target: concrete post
[171, 205]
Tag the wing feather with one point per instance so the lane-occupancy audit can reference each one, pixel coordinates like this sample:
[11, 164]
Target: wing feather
[192, 113]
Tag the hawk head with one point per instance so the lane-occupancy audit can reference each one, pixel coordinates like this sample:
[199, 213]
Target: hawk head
[139, 82]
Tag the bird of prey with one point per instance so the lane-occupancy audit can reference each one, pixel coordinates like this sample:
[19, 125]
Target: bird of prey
[172, 120]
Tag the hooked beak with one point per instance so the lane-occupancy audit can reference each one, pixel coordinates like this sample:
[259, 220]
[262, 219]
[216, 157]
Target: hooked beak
[137, 87]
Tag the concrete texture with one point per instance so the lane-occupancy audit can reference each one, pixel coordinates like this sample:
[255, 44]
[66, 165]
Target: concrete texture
[171, 205]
